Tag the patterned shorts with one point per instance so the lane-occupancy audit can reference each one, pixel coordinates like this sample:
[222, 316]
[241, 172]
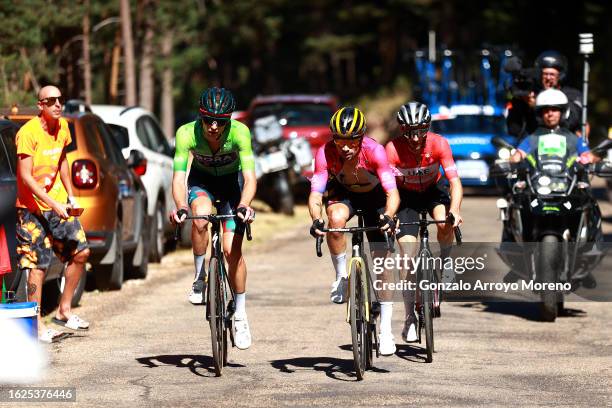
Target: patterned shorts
[40, 235]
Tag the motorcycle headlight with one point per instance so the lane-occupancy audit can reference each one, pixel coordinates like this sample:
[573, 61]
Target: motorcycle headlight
[544, 181]
[503, 153]
[544, 190]
[559, 187]
[264, 136]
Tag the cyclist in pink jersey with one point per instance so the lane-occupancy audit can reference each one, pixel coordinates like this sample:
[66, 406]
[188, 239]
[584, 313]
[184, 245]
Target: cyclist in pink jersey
[416, 157]
[354, 171]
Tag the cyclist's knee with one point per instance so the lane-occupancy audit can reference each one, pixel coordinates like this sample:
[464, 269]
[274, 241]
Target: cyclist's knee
[81, 256]
[200, 225]
[337, 219]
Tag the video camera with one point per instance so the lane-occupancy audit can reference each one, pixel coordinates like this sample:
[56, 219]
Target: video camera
[524, 80]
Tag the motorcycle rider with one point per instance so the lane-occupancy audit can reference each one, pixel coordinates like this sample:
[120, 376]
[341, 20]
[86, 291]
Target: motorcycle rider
[550, 72]
[552, 107]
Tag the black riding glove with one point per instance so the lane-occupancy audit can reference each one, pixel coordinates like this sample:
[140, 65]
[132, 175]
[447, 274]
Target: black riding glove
[316, 225]
[385, 220]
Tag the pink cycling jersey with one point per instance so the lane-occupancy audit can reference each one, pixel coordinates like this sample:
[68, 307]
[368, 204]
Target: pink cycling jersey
[372, 168]
[417, 172]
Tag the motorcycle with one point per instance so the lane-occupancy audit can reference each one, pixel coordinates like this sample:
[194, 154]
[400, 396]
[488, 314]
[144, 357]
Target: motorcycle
[552, 222]
[271, 165]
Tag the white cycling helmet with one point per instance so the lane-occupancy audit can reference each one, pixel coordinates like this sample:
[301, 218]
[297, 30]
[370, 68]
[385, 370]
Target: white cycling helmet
[551, 98]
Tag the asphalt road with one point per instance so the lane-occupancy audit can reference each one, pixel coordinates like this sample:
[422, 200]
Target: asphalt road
[149, 347]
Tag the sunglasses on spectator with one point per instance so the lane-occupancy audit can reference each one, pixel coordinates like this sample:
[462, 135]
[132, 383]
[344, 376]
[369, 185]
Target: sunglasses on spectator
[209, 121]
[50, 101]
[347, 142]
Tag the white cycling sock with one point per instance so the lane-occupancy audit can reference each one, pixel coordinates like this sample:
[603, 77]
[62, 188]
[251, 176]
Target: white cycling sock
[240, 312]
[386, 312]
[339, 262]
[198, 260]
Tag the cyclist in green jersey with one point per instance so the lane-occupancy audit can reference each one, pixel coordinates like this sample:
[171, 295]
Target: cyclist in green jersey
[222, 168]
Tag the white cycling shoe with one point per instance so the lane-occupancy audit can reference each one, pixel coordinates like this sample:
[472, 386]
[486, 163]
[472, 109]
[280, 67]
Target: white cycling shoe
[409, 334]
[386, 344]
[242, 334]
[339, 290]
[196, 295]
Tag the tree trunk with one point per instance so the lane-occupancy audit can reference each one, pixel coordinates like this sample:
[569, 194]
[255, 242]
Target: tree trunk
[86, 54]
[128, 53]
[167, 91]
[147, 93]
[30, 71]
[114, 76]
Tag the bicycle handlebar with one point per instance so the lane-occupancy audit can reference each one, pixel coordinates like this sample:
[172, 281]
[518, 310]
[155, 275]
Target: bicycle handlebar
[213, 217]
[449, 220]
[388, 238]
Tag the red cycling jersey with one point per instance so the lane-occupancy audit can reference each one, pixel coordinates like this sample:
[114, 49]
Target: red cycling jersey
[372, 168]
[418, 172]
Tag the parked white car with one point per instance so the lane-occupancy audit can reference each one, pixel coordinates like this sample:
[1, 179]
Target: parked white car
[137, 128]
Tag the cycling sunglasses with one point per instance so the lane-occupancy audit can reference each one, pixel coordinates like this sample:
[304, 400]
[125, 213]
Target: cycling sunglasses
[209, 121]
[347, 142]
[50, 101]
[409, 132]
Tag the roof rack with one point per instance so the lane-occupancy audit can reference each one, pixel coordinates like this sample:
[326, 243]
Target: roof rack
[127, 109]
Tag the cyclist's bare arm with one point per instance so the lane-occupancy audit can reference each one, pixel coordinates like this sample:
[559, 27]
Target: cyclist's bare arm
[179, 192]
[393, 202]
[250, 187]
[315, 205]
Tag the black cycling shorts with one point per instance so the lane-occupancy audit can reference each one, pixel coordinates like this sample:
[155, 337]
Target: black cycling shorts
[227, 189]
[413, 202]
[372, 204]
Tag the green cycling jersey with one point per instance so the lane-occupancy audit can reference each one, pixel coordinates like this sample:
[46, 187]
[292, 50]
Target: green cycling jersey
[234, 154]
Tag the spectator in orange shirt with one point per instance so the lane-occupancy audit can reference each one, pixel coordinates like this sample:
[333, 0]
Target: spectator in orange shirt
[44, 198]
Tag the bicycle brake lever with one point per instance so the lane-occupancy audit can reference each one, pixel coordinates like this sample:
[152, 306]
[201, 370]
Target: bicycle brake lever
[177, 231]
[248, 232]
[389, 239]
[318, 245]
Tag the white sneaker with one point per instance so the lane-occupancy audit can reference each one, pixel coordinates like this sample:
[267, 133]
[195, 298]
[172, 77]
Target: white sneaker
[196, 295]
[242, 334]
[386, 344]
[338, 290]
[409, 334]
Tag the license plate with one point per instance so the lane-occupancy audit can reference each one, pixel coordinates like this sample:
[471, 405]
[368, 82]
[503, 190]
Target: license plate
[472, 169]
[273, 162]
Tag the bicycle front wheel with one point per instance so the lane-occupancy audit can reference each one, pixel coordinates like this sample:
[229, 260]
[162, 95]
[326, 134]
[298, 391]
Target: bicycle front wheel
[428, 313]
[216, 313]
[359, 326]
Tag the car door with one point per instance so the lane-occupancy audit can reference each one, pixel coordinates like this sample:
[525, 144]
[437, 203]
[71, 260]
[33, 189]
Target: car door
[160, 153]
[127, 192]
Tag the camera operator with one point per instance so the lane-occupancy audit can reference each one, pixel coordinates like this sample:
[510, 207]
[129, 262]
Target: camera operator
[521, 120]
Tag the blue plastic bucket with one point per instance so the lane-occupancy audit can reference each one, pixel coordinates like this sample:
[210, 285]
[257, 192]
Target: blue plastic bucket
[25, 314]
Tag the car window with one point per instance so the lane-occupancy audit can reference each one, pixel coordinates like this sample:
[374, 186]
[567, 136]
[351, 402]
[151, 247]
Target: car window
[110, 144]
[93, 139]
[142, 133]
[470, 124]
[73, 144]
[156, 136]
[8, 152]
[295, 114]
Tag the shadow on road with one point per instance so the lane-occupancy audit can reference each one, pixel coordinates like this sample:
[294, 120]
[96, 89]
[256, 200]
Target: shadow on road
[415, 354]
[526, 310]
[335, 368]
[193, 362]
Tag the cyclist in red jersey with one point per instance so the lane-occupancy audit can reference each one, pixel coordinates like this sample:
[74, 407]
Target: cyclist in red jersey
[354, 171]
[416, 157]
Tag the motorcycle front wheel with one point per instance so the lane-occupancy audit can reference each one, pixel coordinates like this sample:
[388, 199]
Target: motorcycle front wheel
[549, 262]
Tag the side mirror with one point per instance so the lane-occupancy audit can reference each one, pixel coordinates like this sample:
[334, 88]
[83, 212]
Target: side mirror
[137, 162]
[602, 148]
[501, 143]
[121, 136]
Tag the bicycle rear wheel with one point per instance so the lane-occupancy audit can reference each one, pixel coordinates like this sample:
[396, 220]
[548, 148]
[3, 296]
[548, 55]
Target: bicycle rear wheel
[359, 326]
[216, 312]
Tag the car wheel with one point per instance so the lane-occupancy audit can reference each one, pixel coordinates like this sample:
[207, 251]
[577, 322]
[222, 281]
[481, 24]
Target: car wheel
[141, 254]
[156, 234]
[110, 277]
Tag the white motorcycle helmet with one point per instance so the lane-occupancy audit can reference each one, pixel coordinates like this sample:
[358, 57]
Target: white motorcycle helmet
[552, 98]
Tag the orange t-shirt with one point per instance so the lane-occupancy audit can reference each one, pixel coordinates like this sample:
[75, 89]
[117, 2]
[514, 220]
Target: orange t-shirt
[45, 149]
